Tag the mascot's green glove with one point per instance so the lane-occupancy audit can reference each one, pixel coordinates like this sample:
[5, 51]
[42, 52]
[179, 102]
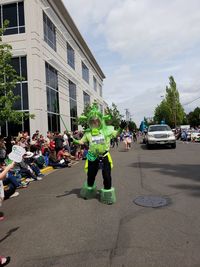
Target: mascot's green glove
[75, 141]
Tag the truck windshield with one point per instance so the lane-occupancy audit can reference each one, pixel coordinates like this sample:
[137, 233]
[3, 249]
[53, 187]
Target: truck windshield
[159, 128]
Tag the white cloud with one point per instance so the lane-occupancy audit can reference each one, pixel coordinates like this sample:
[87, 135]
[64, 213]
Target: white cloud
[145, 29]
[90, 13]
[140, 43]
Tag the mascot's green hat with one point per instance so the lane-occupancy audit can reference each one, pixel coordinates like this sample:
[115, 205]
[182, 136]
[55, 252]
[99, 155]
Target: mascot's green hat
[95, 114]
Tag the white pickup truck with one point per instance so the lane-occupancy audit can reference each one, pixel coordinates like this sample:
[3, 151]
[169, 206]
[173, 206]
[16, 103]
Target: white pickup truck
[160, 134]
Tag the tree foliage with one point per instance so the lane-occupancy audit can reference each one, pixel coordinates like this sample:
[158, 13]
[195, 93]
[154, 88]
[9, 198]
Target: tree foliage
[132, 126]
[170, 109]
[194, 117]
[115, 116]
[8, 81]
[123, 124]
[128, 124]
[81, 121]
[163, 113]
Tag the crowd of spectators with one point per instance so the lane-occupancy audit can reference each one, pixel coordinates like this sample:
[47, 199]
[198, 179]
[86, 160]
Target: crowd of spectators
[54, 149]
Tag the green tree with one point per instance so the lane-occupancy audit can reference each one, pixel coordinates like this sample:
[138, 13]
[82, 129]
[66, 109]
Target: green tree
[115, 115]
[163, 113]
[81, 120]
[132, 126]
[194, 117]
[123, 124]
[170, 109]
[8, 81]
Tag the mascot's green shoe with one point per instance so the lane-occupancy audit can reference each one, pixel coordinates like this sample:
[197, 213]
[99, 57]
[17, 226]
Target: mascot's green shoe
[108, 196]
[88, 192]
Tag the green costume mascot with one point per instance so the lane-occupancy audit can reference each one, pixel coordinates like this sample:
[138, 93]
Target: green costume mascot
[98, 137]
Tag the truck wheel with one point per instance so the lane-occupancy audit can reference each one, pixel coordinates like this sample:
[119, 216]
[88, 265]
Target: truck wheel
[149, 146]
[173, 146]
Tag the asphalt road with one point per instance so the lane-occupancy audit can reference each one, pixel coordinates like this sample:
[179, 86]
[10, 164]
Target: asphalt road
[48, 224]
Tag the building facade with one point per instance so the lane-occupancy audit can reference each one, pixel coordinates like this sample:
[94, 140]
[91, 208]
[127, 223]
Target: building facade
[60, 74]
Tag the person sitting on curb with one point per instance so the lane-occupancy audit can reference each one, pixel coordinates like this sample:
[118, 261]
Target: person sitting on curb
[4, 260]
[55, 163]
[28, 172]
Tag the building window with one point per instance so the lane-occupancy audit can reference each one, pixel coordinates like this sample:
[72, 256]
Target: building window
[53, 122]
[73, 105]
[49, 32]
[100, 90]
[95, 83]
[14, 13]
[86, 99]
[101, 108]
[21, 90]
[85, 73]
[70, 56]
[52, 98]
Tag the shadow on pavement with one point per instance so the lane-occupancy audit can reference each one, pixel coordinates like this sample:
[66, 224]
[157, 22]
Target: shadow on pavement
[185, 171]
[122, 150]
[156, 147]
[75, 191]
[9, 233]
[195, 189]
[143, 146]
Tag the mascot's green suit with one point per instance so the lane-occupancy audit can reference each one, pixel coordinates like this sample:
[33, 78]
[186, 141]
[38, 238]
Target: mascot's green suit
[98, 137]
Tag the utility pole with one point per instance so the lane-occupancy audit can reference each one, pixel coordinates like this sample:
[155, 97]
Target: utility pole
[174, 108]
[127, 115]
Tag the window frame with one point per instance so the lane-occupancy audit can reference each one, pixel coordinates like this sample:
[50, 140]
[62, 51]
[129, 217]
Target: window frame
[100, 90]
[47, 39]
[22, 104]
[70, 62]
[95, 83]
[86, 101]
[20, 28]
[85, 72]
[25, 125]
[74, 101]
[55, 90]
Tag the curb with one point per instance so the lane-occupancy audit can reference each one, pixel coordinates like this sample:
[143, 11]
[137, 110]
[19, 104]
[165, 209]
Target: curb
[47, 170]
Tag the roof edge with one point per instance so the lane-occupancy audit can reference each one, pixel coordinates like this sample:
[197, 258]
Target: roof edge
[73, 29]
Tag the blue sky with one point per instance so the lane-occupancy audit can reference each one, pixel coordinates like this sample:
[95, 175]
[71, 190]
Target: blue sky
[139, 44]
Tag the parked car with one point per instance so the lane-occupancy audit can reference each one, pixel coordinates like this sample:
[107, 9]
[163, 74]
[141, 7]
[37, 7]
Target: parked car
[160, 134]
[195, 136]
